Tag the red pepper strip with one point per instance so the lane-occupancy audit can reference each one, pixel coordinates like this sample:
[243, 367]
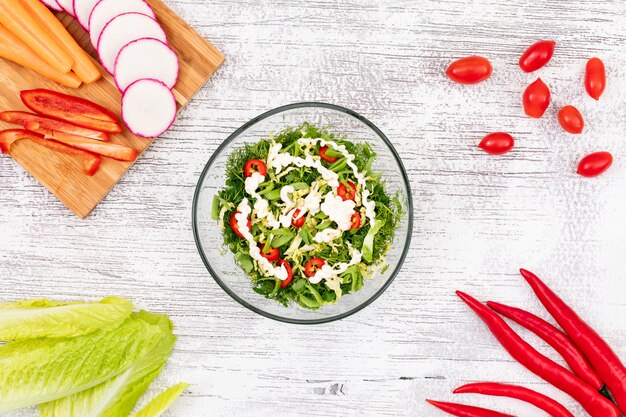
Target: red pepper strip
[70, 109]
[22, 118]
[603, 359]
[461, 410]
[91, 162]
[540, 401]
[555, 338]
[591, 400]
[108, 149]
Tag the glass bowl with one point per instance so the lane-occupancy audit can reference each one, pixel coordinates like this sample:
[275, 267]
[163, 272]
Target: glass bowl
[220, 261]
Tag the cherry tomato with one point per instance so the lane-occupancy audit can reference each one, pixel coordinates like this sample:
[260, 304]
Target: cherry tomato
[298, 221]
[325, 157]
[469, 70]
[595, 78]
[312, 266]
[355, 221]
[254, 165]
[235, 226]
[289, 272]
[594, 164]
[347, 193]
[536, 99]
[571, 120]
[272, 255]
[537, 55]
[497, 143]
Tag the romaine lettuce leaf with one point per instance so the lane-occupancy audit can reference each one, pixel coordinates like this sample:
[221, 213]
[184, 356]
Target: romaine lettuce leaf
[41, 370]
[118, 396]
[31, 319]
[162, 402]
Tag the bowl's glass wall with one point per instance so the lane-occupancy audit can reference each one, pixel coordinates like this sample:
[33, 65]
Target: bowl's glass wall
[220, 261]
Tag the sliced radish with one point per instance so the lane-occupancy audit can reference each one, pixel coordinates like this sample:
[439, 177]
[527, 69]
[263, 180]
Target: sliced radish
[82, 10]
[67, 6]
[146, 58]
[107, 10]
[148, 108]
[122, 30]
[53, 5]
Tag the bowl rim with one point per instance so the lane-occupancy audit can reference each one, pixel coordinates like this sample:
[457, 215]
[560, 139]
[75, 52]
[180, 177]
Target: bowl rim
[232, 137]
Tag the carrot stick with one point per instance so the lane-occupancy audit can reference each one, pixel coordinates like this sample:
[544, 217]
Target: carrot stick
[83, 65]
[15, 50]
[15, 18]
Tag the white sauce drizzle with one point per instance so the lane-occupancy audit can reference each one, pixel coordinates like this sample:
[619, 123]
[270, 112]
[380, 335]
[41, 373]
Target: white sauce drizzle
[255, 252]
[327, 271]
[338, 210]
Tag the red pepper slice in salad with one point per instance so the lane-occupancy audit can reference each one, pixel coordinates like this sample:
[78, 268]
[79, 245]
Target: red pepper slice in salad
[272, 254]
[312, 266]
[355, 221]
[347, 192]
[91, 162]
[71, 109]
[254, 165]
[298, 221]
[235, 226]
[325, 157]
[287, 266]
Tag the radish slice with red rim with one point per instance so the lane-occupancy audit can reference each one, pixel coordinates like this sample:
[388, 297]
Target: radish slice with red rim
[107, 10]
[122, 30]
[52, 5]
[82, 11]
[146, 58]
[67, 6]
[148, 108]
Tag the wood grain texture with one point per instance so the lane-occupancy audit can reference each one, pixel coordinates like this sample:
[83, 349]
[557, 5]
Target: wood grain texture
[477, 218]
[61, 174]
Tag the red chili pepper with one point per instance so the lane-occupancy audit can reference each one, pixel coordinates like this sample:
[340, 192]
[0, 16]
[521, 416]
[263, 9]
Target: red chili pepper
[287, 266]
[497, 143]
[540, 401]
[537, 55]
[591, 400]
[461, 410]
[555, 338]
[536, 99]
[594, 164]
[571, 120]
[469, 70]
[595, 78]
[604, 360]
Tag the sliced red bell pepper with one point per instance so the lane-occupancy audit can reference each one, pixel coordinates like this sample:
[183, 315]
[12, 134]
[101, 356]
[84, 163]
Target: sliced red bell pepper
[22, 118]
[110, 150]
[91, 162]
[71, 109]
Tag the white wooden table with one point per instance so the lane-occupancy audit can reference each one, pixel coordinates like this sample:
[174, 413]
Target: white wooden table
[477, 218]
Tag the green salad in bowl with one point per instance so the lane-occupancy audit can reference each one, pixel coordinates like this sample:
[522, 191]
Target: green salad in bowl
[305, 216]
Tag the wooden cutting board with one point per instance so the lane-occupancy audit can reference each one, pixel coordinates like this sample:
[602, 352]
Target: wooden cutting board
[62, 175]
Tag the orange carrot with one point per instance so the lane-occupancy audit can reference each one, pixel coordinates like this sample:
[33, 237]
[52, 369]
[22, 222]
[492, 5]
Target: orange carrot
[83, 65]
[15, 50]
[15, 18]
